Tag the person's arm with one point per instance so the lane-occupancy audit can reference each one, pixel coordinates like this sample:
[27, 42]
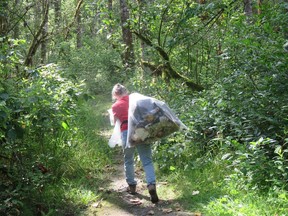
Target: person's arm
[111, 117]
[114, 114]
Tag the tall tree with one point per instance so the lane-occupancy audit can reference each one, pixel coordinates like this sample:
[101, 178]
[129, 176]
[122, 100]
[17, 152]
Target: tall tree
[58, 13]
[38, 37]
[76, 15]
[248, 7]
[16, 28]
[128, 56]
[142, 7]
[44, 31]
[79, 30]
[3, 17]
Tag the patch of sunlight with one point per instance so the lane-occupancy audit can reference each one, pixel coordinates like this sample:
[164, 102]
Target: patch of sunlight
[105, 133]
[81, 196]
[227, 205]
[168, 191]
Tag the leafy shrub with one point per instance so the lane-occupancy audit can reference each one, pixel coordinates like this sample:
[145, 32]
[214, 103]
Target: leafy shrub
[264, 165]
[170, 153]
[37, 110]
[249, 102]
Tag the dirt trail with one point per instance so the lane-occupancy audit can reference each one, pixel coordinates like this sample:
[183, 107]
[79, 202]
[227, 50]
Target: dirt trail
[116, 201]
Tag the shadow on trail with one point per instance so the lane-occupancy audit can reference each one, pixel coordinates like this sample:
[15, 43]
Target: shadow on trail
[115, 200]
[124, 204]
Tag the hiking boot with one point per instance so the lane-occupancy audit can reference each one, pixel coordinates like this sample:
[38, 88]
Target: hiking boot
[153, 194]
[132, 189]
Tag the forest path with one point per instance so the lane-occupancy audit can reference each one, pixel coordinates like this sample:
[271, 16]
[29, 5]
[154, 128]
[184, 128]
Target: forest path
[116, 201]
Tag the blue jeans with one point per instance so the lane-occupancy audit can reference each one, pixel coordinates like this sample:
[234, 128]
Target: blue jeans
[145, 153]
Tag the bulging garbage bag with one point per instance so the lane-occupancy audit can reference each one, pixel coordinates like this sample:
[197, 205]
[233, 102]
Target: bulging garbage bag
[149, 120]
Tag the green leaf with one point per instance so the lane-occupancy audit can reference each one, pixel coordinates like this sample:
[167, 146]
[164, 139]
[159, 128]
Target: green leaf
[11, 134]
[278, 150]
[172, 168]
[65, 125]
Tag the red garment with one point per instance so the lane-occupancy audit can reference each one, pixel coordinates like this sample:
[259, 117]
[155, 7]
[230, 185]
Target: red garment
[120, 111]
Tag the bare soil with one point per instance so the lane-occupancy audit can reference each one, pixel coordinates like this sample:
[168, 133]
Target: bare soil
[116, 201]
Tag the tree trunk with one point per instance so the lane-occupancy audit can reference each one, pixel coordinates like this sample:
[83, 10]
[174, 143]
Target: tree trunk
[58, 14]
[110, 11]
[128, 56]
[248, 7]
[3, 18]
[77, 12]
[259, 2]
[16, 30]
[141, 5]
[38, 14]
[79, 31]
[38, 38]
[44, 31]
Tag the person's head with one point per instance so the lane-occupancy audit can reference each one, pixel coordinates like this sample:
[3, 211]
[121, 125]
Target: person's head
[119, 91]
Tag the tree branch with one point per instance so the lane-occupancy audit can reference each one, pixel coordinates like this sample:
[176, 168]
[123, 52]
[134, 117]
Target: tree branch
[21, 17]
[77, 11]
[166, 68]
[37, 39]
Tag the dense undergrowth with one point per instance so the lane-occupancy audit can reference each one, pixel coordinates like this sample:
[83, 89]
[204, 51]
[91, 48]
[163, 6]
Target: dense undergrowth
[53, 155]
[223, 166]
[205, 169]
[233, 160]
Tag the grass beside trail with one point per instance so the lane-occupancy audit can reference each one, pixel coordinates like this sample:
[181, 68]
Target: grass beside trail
[205, 189]
[84, 170]
[211, 190]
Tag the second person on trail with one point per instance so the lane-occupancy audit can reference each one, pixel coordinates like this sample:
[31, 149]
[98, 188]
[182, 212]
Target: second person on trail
[120, 111]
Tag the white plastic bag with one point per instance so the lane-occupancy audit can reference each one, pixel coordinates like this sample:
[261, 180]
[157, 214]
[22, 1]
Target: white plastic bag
[115, 138]
[149, 120]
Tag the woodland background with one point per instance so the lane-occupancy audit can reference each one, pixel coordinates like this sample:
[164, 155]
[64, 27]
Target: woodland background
[221, 65]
